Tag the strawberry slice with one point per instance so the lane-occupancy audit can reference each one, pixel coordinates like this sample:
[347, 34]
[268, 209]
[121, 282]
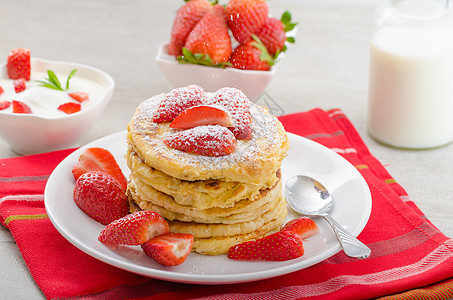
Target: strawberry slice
[79, 96]
[19, 85]
[134, 229]
[99, 196]
[4, 104]
[238, 105]
[202, 115]
[99, 159]
[18, 64]
[1, 90]
[170, 249]
[209, 140]
[70, 107]
[282, 245]
[177, 101]
[21, 108]
[303, 226]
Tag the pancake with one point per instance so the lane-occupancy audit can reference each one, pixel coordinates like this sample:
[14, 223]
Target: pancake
[200, 194]
[252, 162]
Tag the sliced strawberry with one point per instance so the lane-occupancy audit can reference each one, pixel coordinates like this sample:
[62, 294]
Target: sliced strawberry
[209, 140]
[202, 115]
[210, 38]
[70, 107]
[19, 85]
[186, 19]
[282, 245]
[134, 229]
[252, 56]
[170, 249]
[177, 101]
[303, 226]
[99, 159]
[18, 64]
[1, 90]
[79, 96]
[4, 104]
[21, 108]
[245, 17]
[238, 105]
[99, 196]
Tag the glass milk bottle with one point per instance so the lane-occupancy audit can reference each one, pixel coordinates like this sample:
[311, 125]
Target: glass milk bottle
[411, 74]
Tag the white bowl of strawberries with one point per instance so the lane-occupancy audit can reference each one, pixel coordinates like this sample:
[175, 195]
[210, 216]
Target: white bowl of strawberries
[213, 46]
[48, 105]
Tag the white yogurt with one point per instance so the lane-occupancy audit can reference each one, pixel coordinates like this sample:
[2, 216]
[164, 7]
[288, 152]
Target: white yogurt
[411, 86]
[44, 101]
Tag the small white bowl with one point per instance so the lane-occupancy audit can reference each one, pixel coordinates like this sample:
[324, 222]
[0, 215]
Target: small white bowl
[252, 83]
[30, 134]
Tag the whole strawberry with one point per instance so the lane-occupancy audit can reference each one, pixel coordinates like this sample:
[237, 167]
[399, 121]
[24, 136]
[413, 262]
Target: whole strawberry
[134, 229]
[208, 140]
[282, 245]
[273, 33]
[170, 249]
[186, 19]
[252, 56]
[210, 37]
[245, 17]
[18, 64]
[100, 196]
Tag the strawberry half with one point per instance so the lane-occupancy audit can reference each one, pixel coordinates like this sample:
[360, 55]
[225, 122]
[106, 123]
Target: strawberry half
[170, 249]
[303, 226]
[186, 19]
[4, 104]
[18, 64]
[202, 115]
[134, 229]
[177, 101]
[19, 85]
[210, 38]
[99, 196]
[282, 245]
[21, 108]
[245, 17]
[79, 96]
[70, 107]
[238, 105]
[209, 140]
[99, 159]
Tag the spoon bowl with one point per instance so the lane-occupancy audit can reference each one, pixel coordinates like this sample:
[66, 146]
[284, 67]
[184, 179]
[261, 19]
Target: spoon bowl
[309, 197]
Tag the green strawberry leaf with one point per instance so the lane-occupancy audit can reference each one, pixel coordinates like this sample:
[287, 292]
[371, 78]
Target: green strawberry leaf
[264, 56]
[286, 20]
[188, 57]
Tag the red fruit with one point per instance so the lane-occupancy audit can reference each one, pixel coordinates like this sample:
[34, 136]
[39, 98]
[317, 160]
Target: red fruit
[134, 229]
[99, 159]
[252, 56]
[177, 101]
[18, 64]
[202, 115]
[244, 17]
[210, 37]
[303, 226]
[99, 196]
[70, 107]
[1, 90]
[19, 85]
[209, 140]
[79, 96]
[238, 105]
[186, 19]
[282, 245]
[170, 249]
[21, 108]
[4, 104]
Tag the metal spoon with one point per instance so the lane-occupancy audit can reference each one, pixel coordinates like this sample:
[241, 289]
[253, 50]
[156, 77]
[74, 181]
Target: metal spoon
[309, 197]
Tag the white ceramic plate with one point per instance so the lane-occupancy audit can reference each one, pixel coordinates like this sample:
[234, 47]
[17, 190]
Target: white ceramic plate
[352, 208]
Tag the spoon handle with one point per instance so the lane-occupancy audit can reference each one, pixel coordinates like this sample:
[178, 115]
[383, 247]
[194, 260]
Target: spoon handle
[352, 247]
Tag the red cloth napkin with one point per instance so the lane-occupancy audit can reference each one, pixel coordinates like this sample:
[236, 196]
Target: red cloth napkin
[408, 252]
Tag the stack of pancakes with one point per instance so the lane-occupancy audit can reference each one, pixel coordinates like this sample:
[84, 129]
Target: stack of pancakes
[221, 200]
